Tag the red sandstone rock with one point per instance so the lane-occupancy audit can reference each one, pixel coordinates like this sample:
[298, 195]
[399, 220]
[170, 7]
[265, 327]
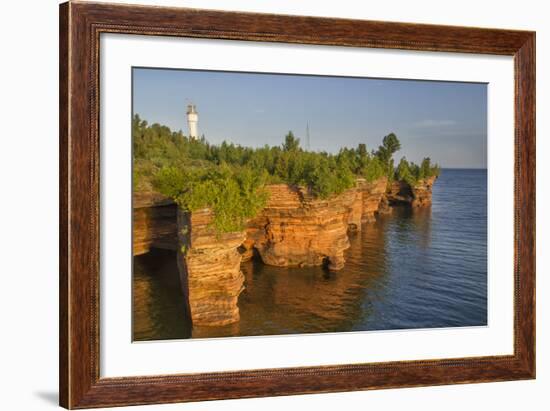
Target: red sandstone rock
[419, 195]
[294, 229]
[297, 229]
[209, 266]
[154, 223]
[373, 194]
[422, 192]
[384, 206]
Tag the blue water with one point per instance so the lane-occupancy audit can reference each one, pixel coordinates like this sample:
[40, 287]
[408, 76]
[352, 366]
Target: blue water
[414, 268]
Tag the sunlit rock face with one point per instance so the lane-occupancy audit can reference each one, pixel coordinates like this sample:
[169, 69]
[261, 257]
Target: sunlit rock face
[297, 229]
[372, 194]
[294, 229]
[209, 266]
[355, 213]
[302, 230]
[419, 195]
[422, 192]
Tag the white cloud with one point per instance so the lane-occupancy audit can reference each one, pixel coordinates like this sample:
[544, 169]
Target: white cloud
[434, 123]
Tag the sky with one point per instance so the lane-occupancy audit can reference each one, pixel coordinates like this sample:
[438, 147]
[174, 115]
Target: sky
[446, 121]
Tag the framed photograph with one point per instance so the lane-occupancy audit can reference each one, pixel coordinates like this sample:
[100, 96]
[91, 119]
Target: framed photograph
[259, 205]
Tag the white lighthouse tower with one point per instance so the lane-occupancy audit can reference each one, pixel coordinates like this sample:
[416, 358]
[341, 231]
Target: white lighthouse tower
[192, 120]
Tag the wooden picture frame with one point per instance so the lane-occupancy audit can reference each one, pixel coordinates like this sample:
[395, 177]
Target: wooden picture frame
[80, 27]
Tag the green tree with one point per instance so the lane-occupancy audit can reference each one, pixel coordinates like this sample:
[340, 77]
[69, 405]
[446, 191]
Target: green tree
[407, 172]
[362, 150]
[390, 145]
[291, 143]
[427, 170]
[372, 169]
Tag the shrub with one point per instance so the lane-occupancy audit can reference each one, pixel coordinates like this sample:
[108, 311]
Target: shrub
[404, 173]
[412, 173]
[427, 170]
[233, 194]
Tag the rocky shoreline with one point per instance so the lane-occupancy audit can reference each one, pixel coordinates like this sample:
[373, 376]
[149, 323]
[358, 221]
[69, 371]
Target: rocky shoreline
[294, 229]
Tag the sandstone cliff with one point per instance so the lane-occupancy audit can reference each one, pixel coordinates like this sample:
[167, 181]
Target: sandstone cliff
[419, 195]
[297, 229]
[209, 266]
[422, 192]
[372, 194]
[154, 223]
[294, 229]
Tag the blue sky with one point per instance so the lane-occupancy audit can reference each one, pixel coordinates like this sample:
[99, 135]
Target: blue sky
[446, 121]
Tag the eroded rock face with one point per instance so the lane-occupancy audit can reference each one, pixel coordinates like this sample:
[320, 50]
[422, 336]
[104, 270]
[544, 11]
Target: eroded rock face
[399, 193]
[419, 195]
[384, 206]
[422, 192]
[297, 229]
[372, 194]
[209, 266]
[355, 213]
[294, 229]
[154, 223]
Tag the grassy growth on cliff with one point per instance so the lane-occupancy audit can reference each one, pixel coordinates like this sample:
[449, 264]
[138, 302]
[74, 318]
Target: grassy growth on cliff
[412, 173]
[230, 179]
[233, 193]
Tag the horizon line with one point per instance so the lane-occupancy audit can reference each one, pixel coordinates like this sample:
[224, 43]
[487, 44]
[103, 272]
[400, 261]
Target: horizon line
[463, 168]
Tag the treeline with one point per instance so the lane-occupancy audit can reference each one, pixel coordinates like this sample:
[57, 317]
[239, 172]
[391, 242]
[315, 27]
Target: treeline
[230, 178]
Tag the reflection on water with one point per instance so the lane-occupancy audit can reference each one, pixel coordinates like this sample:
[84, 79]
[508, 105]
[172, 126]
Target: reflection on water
[159, 309]
[417, 268]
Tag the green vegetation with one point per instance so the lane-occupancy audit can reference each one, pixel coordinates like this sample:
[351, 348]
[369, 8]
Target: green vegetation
[230, 179]
[390, 145]
[233, 193]
[412, 173]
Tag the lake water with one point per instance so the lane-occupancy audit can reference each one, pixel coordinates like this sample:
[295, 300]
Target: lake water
[414, 268]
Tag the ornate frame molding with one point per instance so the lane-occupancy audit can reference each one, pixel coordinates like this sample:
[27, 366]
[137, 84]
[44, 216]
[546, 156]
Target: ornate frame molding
[80, 27]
